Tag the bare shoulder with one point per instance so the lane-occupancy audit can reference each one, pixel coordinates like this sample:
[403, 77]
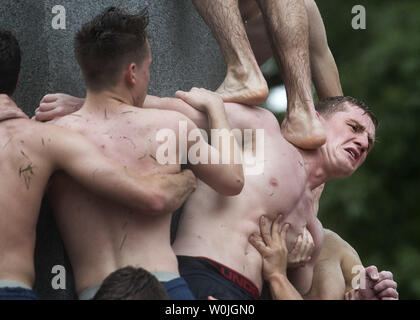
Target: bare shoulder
[242, 116]
[334, 242]
[31, 131]
[156, 117]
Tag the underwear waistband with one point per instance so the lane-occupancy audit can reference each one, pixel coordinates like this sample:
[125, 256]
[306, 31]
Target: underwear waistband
[231, 275]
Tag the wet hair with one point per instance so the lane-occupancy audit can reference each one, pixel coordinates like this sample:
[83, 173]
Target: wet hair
[131, 284]
[326, 107]
[108, 43]
[9, 62]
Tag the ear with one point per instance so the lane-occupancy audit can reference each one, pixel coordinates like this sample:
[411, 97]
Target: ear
[321, 118]
[131, 74]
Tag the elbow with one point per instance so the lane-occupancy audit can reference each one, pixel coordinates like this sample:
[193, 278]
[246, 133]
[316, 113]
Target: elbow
[234, 186]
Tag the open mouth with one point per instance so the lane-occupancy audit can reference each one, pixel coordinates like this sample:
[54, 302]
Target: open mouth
[355, 155]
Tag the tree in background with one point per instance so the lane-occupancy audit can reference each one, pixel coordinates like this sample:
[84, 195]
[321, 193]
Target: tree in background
[376, 210]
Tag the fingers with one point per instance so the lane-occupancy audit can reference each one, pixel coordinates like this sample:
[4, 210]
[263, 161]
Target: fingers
[180, 94]
[275, 232]
[47, 115]
[385, 284]
[386, 287]
[298, 246]
[389, 293]
[308, 245]
[384, 275]
[188, 97]
[46, 106]
[283, 234]
[265, 231]
[372, 273]
[258, 243]
[49, 98]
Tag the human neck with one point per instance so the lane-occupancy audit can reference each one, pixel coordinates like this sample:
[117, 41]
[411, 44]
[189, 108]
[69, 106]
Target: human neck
[106, 99]
[313, 163]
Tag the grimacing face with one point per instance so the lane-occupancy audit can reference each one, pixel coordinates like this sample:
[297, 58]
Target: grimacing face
[350, 137]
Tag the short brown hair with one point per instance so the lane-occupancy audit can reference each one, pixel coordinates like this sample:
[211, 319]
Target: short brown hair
[328, 106]
[9, 62]
[106, 44]
[131, 284]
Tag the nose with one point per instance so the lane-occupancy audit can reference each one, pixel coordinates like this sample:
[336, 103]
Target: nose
[362, 142]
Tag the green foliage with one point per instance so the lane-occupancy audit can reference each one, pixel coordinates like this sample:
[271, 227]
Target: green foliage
[376, 209]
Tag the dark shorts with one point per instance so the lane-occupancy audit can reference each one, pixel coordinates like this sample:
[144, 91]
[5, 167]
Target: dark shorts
[178, 289]
[206, 278]
[17, 294]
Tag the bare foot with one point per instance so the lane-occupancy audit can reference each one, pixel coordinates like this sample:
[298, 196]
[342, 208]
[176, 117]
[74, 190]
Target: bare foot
[246, 87]
[303, 129]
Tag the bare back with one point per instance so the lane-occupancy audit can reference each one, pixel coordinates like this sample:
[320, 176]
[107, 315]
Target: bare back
[218, 227]
[100, 235]
[25, 167]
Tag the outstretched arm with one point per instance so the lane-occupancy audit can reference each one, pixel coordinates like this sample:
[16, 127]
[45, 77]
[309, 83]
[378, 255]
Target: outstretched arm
[156, 194]
[361, 283]
[222, 168]
[271, 244]
[324, 69]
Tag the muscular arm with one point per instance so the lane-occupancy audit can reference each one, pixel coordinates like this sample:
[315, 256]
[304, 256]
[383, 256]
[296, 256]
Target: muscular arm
[324, 69]
[157, 194]
[222, 169]
[227, 179]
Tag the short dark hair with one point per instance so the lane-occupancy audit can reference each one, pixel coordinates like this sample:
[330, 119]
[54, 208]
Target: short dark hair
[131, 284]
[109, 42]
[9, 62]
[328, 106]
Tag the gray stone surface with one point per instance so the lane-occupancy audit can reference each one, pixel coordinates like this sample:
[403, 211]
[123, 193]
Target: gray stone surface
[184, 51]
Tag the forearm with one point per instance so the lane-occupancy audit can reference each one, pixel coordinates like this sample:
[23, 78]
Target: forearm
[219, 125]
[175, 104]
[282, 289]
[324, 69]
[325, 75]
[174, 189]
[152, 195]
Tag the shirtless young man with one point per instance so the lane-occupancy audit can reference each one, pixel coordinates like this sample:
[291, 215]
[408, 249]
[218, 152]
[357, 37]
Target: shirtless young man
[251, 31]
[30, 152]
[217, 227]
[338, 274]
[100, 235]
